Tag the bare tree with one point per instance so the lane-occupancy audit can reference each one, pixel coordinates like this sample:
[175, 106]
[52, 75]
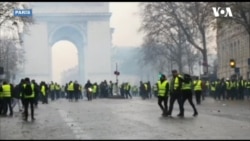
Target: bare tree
[11, 30]
[153, 54]
[192, 56]
[164, 31]
[194, 19]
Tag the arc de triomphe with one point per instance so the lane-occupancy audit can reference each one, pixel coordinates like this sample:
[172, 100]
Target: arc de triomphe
[85, 24]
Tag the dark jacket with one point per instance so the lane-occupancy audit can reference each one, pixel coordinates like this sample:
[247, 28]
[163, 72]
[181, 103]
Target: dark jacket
[88, 85]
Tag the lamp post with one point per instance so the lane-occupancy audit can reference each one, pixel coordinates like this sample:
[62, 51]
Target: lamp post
[117, 73]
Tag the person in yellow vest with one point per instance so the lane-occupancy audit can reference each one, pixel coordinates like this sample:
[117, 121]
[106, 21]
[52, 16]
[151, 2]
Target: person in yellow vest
[228, 88]
[57, 91]
[28, 93]
[134, 90]
[70, 90]
[163, 92]
[207, 88]
[127, 90]
[233, 89]
[44, 90]
[7, 92]
[187, 87]
[1, 101]
[175, 91]
[146, 90]
[37, 90]
[52, 91]
[212, 88]
[94, 90]
[197, 90]
[80, 92]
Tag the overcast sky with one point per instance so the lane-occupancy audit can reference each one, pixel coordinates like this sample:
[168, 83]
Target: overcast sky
[126, 21]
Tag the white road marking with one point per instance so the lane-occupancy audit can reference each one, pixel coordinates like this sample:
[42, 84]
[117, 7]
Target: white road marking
[74, 126]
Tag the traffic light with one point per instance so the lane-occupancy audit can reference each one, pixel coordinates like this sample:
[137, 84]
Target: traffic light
[232, 63]
[117, 73]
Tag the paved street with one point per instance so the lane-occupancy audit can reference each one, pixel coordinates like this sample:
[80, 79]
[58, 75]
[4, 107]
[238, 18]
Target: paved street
[130, 119]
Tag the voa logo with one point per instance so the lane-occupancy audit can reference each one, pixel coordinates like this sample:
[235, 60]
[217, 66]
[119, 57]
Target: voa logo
[222, 12]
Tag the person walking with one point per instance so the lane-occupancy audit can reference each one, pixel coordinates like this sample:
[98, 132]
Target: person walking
[187, 94]
[163, 91]
[29, 93]
[175, 92]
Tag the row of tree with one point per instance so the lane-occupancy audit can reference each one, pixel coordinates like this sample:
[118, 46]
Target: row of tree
[11, 30]
[175, 33]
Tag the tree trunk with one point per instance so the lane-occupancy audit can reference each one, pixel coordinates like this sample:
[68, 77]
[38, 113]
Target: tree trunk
[205, 64]
[204, 51]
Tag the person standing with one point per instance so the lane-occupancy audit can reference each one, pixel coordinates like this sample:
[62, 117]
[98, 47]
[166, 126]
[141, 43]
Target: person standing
[149, 89]
[241, 88]
[248, 89]
[88, 87]
[213, 89]
[175, 92]
[142, 90]
[36, 90]
[29, 93]
[94, 91]
[1, 101]
[127, 90]
[198, 90]
[70, 90]
[43, 90]
[163, 90]
[16, 98]
[52, 91]
[110, 88]
[7, 93]
[187, 94]
[76, 91]
[228, 88]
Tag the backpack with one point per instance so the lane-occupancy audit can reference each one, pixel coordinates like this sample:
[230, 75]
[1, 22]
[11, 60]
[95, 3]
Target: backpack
[28, 90]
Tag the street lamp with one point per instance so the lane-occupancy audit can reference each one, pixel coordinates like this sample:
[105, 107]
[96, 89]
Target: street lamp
[117, 73]
[232, 63]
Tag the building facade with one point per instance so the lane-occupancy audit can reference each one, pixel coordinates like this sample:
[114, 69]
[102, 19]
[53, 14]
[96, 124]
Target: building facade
[233, 43]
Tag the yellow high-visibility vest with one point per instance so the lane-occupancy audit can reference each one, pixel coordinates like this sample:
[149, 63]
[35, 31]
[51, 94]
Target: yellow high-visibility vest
[70, 87]
[197, 86]
[94, 89]
[43, 90]
[33, 92]
[162, 88]
[187, 86]
[6, 90]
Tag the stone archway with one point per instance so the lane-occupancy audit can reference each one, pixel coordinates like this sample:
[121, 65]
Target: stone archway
[73, 34]
[86, 24]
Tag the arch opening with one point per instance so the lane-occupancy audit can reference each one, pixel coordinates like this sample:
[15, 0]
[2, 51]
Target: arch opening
[64, 62]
